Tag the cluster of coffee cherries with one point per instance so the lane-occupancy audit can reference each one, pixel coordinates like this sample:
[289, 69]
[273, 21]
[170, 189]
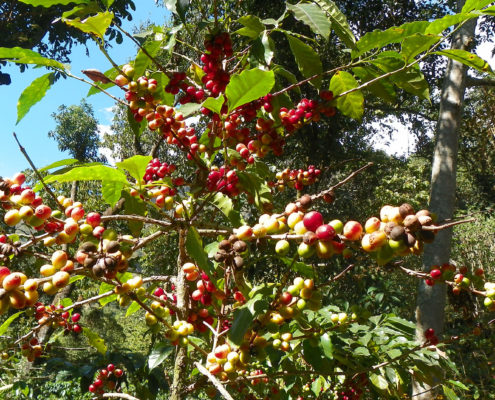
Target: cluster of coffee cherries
[324, 239]
[222, 361]
[11, 294]
[430, 337]
[105, 261]
[300, 295]
[461, 277]
[306, 111]
[224, 180]
[490, 296]
[22, 204]
[192, 94]
[107, 379]
[231, 252]
[205, 288]
[48, 313]
[179, 331]
[399, 231]
[259, 142]
[32, 349]
[218, 48]
[352, 388]
[157, 170]
[295, 178]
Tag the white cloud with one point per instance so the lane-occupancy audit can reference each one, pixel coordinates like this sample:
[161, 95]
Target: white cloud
[102, 129]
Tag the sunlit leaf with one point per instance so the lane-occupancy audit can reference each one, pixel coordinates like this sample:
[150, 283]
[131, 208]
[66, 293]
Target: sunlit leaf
[96, 25]
[313, 16]
[466, 58]
[26, 56]
[49, 3]
[351, 104]
[247, 86]
[339, 22]
[8, 321]
[33, 94]
[307, 59]
[95, 340]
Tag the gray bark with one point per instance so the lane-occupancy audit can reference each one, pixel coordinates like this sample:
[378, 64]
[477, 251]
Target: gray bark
[430, 310]
[180, 364]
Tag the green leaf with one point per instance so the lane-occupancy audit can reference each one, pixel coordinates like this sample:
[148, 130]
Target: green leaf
[96, 25]
[361, 351]
[214, 104]
[379, 381]
[416, 44]
[135, 165]
[247, 86]
[317, 385]
[377, 39]
[8, 321]
[89, 173]
[111, 191]
[256, 187]
[326, 345]
[106, 287]
[133, 308]
[67, 161]
[308, 61]
[313, 16]
[466, 58]
[49, 3]
[25, 56]
[252, 26]
[489, 11]
[159, 354]
[381, 88]
[142, 60]
[402, 325]
[66, 302]
[352, 104]
[449, 393]
[194, 247]
[244, 315]
[108, 3]
[458, 384]
[134, 205]
[269, 47]
[95, 341]
[75, 278]
[470, 5]
[411, 80]
[226, 206]
[439, 25]
[242, 320]
[314, 355]
[33, 94]
[339, 22]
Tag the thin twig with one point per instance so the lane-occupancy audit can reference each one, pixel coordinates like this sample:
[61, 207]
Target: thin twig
[119, 395]
[23, 151]
[214, 380]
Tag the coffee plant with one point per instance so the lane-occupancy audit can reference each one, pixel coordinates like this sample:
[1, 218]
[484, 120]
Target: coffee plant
[231, 333]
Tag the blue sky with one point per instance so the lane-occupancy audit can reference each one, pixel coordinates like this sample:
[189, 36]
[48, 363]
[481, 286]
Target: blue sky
[33, 130]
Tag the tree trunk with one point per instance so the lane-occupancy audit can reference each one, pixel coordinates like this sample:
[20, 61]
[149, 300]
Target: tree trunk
[430, 309]
[180, 376]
